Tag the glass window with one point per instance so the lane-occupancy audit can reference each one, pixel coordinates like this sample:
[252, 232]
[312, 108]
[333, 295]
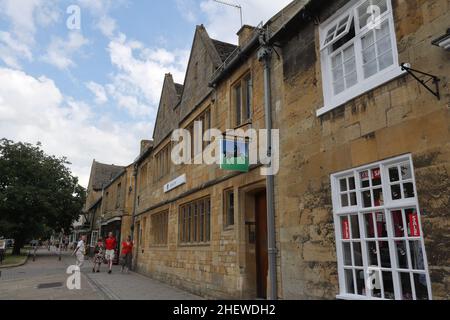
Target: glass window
[382, 245]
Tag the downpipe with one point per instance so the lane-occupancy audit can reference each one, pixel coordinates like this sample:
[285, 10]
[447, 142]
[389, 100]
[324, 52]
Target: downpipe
[265, 56]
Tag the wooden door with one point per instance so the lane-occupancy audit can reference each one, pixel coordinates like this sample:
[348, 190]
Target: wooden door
[262, 264]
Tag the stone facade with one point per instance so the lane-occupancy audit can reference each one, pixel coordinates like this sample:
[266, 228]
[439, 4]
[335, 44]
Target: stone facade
[399, 117]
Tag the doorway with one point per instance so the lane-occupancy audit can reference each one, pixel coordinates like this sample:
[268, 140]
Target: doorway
[262, 264]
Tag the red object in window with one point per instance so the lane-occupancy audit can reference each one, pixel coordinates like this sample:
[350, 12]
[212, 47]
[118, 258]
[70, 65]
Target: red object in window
[414, 224]
[376, 173]
[345, 230]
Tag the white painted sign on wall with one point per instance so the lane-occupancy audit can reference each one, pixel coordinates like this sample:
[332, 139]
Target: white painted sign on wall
[175, 183]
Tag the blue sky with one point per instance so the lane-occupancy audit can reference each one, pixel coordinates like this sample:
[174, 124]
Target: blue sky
[94, 92]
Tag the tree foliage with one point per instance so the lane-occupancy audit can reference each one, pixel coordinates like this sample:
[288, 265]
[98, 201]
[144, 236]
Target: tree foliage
[37, 192]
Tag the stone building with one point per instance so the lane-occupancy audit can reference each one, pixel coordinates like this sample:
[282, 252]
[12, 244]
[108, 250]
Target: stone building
[363, 189]
[101, 177]
[362, 192]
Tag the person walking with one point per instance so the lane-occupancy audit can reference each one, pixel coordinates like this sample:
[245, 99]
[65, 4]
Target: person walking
[99, 255]
[110, 245]
[127, 252]
[80, 251]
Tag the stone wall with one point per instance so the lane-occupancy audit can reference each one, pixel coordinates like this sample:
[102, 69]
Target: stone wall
[397, 118]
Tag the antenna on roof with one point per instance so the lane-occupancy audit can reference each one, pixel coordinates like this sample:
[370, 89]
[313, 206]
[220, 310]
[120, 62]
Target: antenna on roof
[237, 6]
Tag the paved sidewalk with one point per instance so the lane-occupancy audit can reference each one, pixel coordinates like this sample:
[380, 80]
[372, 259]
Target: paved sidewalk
[45, 279]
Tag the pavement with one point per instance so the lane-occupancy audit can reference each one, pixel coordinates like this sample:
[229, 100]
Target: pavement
[46, 277]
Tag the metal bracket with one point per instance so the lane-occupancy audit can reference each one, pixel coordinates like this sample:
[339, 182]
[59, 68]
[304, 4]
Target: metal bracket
[424, 82]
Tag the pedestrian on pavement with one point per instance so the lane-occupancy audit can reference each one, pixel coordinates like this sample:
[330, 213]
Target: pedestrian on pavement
[80, 251]
[127, 251]
[110, 244]
[99, 255]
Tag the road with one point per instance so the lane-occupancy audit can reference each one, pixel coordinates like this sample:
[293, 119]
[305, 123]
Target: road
[46, 277]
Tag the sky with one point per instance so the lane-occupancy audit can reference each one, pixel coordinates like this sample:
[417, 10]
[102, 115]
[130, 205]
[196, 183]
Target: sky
[84, 77]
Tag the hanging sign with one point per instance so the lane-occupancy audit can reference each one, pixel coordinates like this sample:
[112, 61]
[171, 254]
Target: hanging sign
[414, 224]
[234, 155]
[345, 230]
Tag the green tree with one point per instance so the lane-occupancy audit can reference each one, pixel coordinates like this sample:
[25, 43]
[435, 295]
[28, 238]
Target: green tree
[37, 193]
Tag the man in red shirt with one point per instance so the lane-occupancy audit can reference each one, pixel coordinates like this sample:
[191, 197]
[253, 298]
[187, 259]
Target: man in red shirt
[110, 245]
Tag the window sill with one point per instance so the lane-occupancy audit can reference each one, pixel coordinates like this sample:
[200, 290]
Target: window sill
[369, 85]
[357, 297]
[193, 245]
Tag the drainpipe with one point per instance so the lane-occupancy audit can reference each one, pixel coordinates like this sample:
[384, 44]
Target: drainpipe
[265, 56]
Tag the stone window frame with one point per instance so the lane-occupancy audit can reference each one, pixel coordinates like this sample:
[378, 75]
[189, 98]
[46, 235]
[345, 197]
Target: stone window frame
[228, 217]
[363, 85]
[159, 226]
[352, 230]
[162, 162]
[194, 224]
[245, 100]
[206, 119]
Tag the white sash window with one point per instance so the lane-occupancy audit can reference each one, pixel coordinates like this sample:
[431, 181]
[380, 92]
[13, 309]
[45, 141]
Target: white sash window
[358, 51]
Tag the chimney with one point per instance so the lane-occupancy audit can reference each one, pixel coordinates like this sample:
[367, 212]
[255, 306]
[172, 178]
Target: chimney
[245, 34]
[145, 144]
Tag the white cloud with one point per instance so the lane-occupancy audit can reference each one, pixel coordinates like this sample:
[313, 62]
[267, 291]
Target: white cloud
[224, 21]
[33, 109]
[60, 52]
[187, 9]
[136, 84]
[107, 26]
[99, 92]
[24, 17]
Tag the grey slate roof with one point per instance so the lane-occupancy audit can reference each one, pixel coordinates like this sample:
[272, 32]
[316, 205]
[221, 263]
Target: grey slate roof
[223, 48]
[102, 174]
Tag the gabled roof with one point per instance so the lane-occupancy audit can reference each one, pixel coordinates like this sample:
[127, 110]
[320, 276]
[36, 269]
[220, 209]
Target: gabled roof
[224, 49]
[167, 117]
[102, 174]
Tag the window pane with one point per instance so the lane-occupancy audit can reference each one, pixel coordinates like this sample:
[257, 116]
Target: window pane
[405, 286]
[402, 259]
[412, 220]
[393, 174]
[347, 254]
[353, 201]
[406, 172]
[386, 60]
[343, 183]
[420, 284]
[384, 254]
[384, 45]
[378, 197]
[367, 199]
[375, 283]
[355, 226]
[351, 183]
[370, 69]
[344, 200]
[360, 282]
[345, 228]
[372, 253]
[349, 281]
[397, 223]
[368, 221]
[408, 190]
[364, 176]
[357, 254]
[388, 285]
[417, 261]
[381, 225]
[396, 192]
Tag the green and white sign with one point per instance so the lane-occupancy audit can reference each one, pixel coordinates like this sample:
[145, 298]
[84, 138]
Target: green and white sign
[234, 155]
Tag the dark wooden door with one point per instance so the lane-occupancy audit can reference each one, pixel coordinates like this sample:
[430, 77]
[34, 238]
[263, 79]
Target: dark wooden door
[262, 264]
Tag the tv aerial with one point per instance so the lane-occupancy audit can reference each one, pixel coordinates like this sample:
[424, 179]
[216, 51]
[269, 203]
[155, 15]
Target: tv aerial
[237, 6]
